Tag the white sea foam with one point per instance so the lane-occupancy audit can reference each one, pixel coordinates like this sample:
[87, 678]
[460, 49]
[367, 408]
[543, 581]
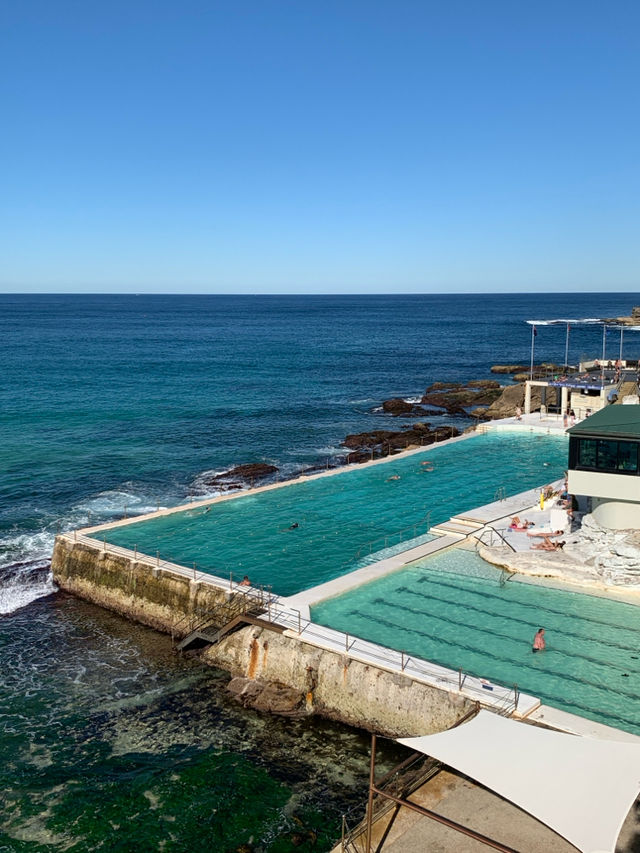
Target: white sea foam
[112, 503]
[24, 587]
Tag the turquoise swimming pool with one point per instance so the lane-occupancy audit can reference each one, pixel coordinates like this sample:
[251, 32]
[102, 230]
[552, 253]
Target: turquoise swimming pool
[346, 519]
[452, 609]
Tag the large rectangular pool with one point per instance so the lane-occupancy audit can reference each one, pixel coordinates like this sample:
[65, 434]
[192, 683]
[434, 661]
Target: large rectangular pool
[453, 609]
[349, 519]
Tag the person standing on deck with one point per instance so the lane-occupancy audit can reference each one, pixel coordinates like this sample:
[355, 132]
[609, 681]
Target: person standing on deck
[539, 643]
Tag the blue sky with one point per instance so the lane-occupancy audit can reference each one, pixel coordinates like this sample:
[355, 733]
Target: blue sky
[318, 147]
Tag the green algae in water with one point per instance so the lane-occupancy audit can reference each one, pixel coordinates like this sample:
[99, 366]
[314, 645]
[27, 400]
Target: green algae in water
[110, 741]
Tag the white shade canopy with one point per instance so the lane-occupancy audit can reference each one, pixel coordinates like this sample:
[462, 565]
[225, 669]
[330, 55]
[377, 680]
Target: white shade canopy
[581, 787]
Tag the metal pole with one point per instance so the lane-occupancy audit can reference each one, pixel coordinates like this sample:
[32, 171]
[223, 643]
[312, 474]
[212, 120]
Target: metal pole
[158, 557]
[533, 334]
[604, 344]
[194, 571]
[566, 348]
[372, 779]
[621, 333]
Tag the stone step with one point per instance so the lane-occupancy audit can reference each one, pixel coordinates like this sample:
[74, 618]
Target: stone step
[470, 523]
[448, 529]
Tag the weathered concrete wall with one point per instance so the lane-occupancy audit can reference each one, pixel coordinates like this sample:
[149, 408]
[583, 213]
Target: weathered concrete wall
[332, 684]
[337, 686]
[128, 586]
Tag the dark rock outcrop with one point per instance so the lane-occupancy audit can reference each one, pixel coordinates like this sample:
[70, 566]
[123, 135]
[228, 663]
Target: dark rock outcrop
[382, 442]
[236, 477]
[397, 407]
[513, 396]
[268, 696]
[509, 368]
[457, 398]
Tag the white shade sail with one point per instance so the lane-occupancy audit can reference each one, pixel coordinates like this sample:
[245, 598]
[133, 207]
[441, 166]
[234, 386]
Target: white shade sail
[581, 787]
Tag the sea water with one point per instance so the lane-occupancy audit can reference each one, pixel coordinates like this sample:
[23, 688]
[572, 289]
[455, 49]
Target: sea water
[107, 401]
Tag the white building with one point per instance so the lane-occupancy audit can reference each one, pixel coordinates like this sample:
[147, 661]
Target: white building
[604, 461]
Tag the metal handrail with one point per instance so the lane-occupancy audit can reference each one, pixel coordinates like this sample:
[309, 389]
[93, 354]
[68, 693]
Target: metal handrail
[426, 521]
[489, 528]
[386, 658]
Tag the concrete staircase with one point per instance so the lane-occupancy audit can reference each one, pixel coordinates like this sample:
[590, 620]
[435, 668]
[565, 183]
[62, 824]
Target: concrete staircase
[627, 389]
[458, 526]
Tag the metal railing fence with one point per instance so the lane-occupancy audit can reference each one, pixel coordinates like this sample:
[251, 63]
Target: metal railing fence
[498, 697]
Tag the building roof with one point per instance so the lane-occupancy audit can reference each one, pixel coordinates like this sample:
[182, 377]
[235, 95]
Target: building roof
[581, 787]
[618, 421]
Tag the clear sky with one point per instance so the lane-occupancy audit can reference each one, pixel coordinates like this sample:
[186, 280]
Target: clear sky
[319, 146]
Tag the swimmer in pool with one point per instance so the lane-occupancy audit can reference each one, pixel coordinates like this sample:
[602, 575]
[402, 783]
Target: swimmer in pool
[539, 642]
[393, 477]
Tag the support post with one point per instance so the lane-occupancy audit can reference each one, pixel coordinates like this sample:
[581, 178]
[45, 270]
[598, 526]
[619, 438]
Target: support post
[533, 337]
[372, 780]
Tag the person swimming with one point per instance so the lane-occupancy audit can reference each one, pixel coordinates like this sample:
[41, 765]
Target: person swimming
[293, 526]
[393, 477]
[539, 642]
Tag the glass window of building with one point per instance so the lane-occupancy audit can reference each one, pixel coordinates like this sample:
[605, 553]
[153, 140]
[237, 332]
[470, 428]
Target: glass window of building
[607, 454]
[587, 453]
[627, 456]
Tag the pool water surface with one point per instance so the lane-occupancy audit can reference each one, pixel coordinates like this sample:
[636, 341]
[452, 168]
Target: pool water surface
[456, 610]
[346, 519]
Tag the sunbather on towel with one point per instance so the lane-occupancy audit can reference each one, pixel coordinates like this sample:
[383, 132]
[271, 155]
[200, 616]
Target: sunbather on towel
[548, 545]
[548, 534]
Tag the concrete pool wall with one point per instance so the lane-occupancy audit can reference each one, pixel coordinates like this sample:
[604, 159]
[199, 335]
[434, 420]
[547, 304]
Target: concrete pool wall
[335, 675]
[354, 681]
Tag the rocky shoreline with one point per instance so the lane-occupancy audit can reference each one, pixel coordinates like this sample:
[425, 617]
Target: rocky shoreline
[471, 402]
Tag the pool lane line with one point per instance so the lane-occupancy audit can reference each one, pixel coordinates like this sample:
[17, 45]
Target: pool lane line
[530, 622]
[436, 580]
[561, 677]
[565, 676]
[541, 694]
[495, 633]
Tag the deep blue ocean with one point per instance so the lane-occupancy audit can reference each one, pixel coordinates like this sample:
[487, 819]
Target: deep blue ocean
[114, 401]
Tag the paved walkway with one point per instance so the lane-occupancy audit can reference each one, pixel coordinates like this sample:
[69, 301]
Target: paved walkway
[458, 798]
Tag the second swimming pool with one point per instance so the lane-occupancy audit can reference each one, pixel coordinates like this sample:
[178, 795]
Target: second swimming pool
[452, 609]
[344, 520]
